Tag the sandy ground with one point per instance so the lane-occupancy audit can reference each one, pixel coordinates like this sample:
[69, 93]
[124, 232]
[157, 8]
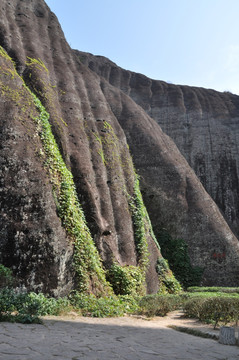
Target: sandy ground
[127, 338]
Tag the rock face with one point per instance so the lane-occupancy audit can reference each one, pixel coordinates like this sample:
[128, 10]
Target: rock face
[203, 123]
[99, 119]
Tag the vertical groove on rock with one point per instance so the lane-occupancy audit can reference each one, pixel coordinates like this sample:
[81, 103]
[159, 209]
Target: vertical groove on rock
[94, 122]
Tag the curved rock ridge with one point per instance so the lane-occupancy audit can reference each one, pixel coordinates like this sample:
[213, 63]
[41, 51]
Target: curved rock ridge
[97, 127]
[202, 122]
[92, 144]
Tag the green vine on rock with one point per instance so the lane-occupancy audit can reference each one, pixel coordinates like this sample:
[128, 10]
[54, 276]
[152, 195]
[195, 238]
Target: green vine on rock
[142, 228]
[88, 266]
[126, 280]
[168, 283]
[139, 217]
[87, 262]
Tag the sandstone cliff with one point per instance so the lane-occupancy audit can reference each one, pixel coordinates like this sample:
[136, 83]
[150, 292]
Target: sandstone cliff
[97, 127]
[203, 123]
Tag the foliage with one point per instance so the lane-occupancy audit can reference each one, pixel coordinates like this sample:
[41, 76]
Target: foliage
[139, 212]
[88, 266]
[5, 55]
[158, 305]
[6, 278]
[90, 305]
[176, 252]
[143, 227]
[16, 307]
[48, 305]
[213, 289]
[126, 280]
[168, 283]
[211, 294]
[217, 308]
[86, 257]
[27, 307]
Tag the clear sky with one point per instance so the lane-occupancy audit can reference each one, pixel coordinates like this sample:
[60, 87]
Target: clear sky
[191, 42]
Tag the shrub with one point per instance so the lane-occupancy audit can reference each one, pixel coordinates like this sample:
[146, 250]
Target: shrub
[158, 305]
[168, 283]
[193, 307]
[6, 278]
[16, 308]
[27, 307]
[7, 302]
[213, 289]
[89, 305]
[126, 280]
[47, 305]
[217, 309]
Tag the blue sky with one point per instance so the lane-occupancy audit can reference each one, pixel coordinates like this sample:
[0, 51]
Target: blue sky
[191, 42]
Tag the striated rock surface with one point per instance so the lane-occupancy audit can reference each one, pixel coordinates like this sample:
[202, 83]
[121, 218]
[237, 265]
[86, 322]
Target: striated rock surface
[203, 123]
[97, 127]
[92, 143]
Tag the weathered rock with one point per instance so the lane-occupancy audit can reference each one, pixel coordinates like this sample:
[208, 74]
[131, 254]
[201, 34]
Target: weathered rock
[93, 123]
[91, 140]
[174, 196]
[203, 123]
[33, 242]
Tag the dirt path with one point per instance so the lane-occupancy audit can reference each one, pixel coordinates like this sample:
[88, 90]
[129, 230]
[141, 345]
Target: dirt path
[128, 338]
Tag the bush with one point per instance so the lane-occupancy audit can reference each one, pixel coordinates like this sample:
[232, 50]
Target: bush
[6, 278]
[126, 280]
[111, 306]
[209, 309]
[27, 307]
[212, 294]
[16, 308]
[7, 302]
[47, 305]
[193, 307]
[168, 283]
[159, 305]
[213, 289]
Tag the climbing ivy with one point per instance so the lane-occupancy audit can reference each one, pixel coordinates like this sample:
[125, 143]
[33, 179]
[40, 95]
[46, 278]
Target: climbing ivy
[168, 283]
[139, 217]
[87, 261]
[89, 270]
[142, 227]
[126, 280]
